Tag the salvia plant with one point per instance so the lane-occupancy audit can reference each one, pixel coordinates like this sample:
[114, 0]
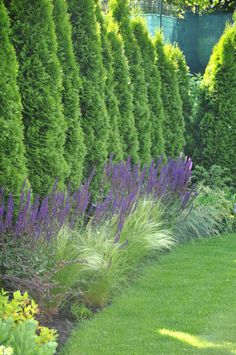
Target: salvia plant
[123, 185]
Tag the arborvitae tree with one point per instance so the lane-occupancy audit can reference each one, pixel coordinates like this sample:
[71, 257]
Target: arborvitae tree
[74, 145]
[121, 14]
[218, 106]
[114, 141]
[122, 88]
[174, 120]
[87, 46]
[183, 76]
[40, 83]
[153, 80]
[12, 160]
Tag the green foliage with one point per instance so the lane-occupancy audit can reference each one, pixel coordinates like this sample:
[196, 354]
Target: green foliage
[20, 331]
[183, 77]
[174, 120]
[114, 141]
[79, 311]
[87, 46]
[217, 114]
[153, 80]
[216, 177]
[74, 145]
[12, 160]
[121, 15]
[40, 83]
[146, 232]
[122, 89]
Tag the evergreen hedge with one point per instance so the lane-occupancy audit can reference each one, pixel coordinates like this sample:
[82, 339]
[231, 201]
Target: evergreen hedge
[153, 80]
[121, 15]
[183, 76]
[87, 46]
[40, 83]
[217, 116]
[74, 145]
[114, 145]
[12, 160]
[122, 89]
[174, 120]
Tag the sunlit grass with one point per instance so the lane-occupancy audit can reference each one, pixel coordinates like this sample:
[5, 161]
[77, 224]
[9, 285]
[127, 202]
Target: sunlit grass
[189, 294]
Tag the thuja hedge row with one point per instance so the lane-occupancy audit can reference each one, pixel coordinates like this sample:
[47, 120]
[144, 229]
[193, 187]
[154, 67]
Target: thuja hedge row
[90, 85]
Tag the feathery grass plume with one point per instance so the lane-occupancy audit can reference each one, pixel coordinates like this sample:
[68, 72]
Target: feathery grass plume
[174, 121]
[88, 52]
[153, 80]
[120, 12]
[40, 82]
[114, 142]
[217, 113]
[74, 144]
[123, 92]
[12, 152]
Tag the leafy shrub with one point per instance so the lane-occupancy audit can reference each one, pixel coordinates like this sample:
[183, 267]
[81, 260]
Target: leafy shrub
[20, 331]
[12, 159]
[216, 177]
[40, 83]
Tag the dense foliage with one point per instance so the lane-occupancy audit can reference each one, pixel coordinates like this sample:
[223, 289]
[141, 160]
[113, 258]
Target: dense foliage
[121, 15]
[152, 77]
[40, 83]
[216, 119]
[170, 93]
[87, 47]
[12, 160]
[74, 145]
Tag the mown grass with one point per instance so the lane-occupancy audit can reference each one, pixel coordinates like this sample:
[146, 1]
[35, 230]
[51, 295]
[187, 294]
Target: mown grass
[184, 304]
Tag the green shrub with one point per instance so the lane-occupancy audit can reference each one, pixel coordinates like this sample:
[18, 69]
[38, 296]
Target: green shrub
[183, 77]
[174, 120]
[217, 114]
[12, 159]
[153, 80]
[122, 89]
[114, 141]
[87, 46]
[19, 330]
[121, 15]
[40, 83]
[74, 145]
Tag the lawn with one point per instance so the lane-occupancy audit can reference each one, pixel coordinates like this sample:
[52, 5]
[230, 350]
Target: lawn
[183, 304]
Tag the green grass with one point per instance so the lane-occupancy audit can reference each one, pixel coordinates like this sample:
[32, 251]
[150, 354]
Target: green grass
[184, 304]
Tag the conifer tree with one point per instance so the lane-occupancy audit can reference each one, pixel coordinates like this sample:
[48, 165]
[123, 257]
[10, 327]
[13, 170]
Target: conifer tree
[74, 145]
[183, 77]
[121, 14]
[87, 47]
[114, 141]
[217, 116]
[153, 80]
[174, 120]
[12, 160]
[40, 83]
[122, 88]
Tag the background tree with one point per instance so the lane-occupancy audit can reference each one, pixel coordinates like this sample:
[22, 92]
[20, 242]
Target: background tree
[183, 77]
[153, 80]
[74, 145]
[87, 46]
[12, 160]
[217, 115]
[40, 85]
[114, 144]
[120, 13]
[122, 89]
[174, 120]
